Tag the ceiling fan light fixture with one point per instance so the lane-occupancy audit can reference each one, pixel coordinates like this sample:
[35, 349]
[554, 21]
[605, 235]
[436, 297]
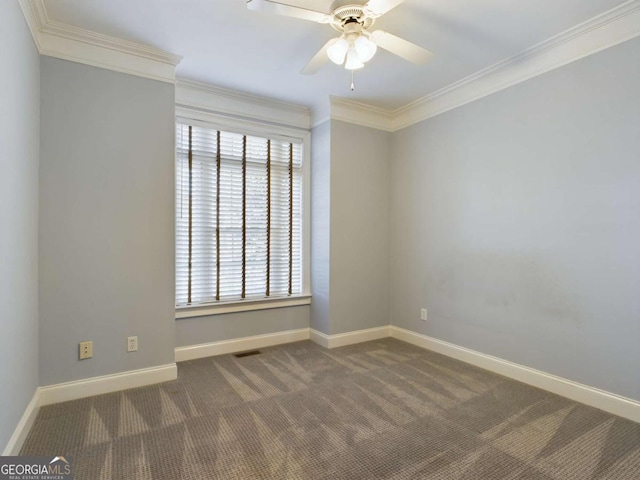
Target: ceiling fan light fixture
[353, 60]
[366, 48]
[338, 51]
[357, 43]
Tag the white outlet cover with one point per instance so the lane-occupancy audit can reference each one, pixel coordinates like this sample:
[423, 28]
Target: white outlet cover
[132, 344]
[423, 314]
[85, 350]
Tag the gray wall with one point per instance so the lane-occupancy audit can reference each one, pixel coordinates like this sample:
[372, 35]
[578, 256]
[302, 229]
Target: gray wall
[106, 220]
[19, 159]
[350, 235]
[359, 227]
[515, 221]
[214, 328]
[320, 226]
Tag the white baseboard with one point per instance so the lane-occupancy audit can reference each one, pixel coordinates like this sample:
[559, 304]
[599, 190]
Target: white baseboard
[24, 425]
[240, 344]
[609, 402]
[594, 397]
[348, 338]
[89, 387]
[224, 347]
[319, 338]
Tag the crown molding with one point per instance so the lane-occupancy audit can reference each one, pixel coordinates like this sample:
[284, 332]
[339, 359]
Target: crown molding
[63, 41]
[360, 114]
[611, 28]
[606, 30]
[242, 105]
[36, 15]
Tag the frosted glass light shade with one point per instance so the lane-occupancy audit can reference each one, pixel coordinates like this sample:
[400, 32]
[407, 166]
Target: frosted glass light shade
[338, 51]
[353, 60]
[366, 49]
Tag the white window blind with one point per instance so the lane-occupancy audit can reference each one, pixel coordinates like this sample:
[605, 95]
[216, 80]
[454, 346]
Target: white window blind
[238, 216]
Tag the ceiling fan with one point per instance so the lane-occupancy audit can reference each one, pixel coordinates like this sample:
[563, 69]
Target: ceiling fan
[356, 44]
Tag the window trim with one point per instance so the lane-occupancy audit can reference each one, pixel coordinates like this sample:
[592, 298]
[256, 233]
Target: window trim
[247, 305]
[250, 127]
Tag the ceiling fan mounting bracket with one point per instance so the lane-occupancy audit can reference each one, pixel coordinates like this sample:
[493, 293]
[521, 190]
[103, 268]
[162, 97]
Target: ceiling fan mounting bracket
[349, 14]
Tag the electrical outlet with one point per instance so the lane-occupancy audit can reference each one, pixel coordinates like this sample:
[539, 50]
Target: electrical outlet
[85, 350]
[423, 314]
[132, 344]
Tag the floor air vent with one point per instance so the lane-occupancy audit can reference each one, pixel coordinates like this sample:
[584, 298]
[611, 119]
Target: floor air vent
[247, 354]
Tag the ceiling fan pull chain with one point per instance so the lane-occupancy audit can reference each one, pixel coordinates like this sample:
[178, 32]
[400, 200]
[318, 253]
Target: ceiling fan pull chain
[353, 87]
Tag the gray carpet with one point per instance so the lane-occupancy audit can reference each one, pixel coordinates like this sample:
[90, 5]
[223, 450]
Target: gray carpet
[381, 409]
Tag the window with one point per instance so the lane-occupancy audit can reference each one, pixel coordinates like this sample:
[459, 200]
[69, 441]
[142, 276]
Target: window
[239, 216]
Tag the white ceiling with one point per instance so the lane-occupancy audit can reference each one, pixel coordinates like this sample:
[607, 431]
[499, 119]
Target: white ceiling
[225, 44]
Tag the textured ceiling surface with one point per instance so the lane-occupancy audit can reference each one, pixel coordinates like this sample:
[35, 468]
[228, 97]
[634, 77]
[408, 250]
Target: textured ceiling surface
[225, 44]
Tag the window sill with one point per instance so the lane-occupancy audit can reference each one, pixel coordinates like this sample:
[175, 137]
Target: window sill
[241, 306]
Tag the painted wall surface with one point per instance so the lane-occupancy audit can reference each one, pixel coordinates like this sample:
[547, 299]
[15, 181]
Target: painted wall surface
[515, 222]
[320, 226]
[106, 221]
[214, 328]
[359, 233]
[19, 163]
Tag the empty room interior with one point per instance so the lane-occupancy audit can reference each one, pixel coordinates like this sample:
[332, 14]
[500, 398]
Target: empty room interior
[305, 239]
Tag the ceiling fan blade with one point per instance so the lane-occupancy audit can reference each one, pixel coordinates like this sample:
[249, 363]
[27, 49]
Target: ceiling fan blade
[376, 8]
[407, 50]
[319, 59]
[288, 10]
